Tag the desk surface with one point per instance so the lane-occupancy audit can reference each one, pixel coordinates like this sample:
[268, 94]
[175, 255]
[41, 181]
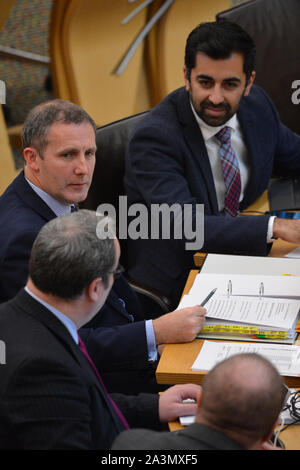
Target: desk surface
[176, 361]
[175, 364]
[175, 367]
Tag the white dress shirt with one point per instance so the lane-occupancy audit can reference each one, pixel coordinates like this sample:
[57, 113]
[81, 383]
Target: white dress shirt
[57, 207]
[213, 150]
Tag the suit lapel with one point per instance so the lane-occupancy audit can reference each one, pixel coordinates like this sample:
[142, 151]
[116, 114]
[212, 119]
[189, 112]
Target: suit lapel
[32, 307]
[251, 139]
[195, 142]
[26, 194]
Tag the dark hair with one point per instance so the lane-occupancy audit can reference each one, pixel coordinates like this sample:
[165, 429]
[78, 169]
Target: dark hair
[42, 116]
[70, 252]
[219, 40]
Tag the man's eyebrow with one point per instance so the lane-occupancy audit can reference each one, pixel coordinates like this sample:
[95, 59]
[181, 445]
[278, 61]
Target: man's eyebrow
[208, 77]
[75, 149]
[232, 79]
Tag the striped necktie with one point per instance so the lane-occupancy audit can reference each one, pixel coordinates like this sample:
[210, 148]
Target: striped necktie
[232, 177]
[117, 410]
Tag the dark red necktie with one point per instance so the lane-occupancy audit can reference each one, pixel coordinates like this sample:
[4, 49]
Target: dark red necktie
[117, 410]
[232, 177]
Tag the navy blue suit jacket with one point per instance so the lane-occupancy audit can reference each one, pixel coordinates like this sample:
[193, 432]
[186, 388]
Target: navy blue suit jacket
[117, 337]
[49, 394]
[167, 162]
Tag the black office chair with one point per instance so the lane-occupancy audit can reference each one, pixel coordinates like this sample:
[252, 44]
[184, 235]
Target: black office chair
[274, 27]
[107, 186]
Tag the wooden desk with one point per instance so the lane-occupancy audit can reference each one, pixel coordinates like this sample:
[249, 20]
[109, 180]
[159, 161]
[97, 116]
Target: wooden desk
[176, 360]
[175, 367]
[175, 364]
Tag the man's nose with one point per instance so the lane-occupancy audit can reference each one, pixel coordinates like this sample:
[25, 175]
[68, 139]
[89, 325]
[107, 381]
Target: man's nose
[216, 96]
[81, 165]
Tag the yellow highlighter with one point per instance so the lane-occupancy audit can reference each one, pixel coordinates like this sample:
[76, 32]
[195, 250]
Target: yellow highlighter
[290, 274]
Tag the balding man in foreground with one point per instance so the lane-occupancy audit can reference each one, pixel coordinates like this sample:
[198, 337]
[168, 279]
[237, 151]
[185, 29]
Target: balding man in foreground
[237, 410]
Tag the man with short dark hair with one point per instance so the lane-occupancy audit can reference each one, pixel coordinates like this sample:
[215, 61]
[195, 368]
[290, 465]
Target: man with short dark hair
[238, 409]
[59, 152]
[51, 393]
[215, 142]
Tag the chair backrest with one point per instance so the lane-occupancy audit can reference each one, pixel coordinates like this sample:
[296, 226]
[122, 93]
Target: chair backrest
[274, 26]
[111, 141]
[107, 184]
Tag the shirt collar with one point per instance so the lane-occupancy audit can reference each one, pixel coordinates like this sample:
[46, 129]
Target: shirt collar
[57, 207]
[69, 324]
[210, 131]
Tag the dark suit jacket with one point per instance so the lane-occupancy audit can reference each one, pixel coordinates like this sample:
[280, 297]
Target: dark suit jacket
[119, 343]
[49, 393]
[196, 436]
[167, 162]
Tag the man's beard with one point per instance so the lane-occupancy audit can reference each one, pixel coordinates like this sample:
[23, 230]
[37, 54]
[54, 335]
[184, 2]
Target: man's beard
[211, 120]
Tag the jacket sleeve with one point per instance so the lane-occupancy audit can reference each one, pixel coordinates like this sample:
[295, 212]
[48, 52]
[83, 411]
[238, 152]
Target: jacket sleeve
[118, 346]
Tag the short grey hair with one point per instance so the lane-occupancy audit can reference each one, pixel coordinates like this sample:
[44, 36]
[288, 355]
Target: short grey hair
[68, 254]
[41, 117]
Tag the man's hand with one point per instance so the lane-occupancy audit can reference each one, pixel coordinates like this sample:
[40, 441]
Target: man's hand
[171, 404]
[268, 446]
[180, 326]
[288, 230]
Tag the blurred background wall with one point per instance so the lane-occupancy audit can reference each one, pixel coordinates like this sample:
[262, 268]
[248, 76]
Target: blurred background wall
[72, 49]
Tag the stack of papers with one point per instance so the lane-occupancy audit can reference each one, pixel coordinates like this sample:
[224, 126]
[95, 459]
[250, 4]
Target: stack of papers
[284, 357]
[248, 307]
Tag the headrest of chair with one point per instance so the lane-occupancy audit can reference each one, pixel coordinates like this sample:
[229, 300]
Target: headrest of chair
[111, 141]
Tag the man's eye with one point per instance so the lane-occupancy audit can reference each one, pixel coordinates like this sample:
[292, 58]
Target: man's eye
[205, 83]
[231, 85]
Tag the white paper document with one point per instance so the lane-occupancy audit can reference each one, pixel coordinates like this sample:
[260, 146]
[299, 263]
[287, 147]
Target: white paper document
[246, 285]
[294, 254]
[285, 358]
[280, 313]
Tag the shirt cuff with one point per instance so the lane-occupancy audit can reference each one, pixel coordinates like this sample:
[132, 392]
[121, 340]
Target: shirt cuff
[270, 238]
[151, 342]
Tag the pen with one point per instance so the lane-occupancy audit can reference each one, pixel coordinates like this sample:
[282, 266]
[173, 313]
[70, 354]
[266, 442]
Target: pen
[208, 297]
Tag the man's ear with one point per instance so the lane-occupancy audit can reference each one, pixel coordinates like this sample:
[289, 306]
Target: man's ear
[271, 432]
[95, 289]
[250, 83]
[31, 158]
[186, 79]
